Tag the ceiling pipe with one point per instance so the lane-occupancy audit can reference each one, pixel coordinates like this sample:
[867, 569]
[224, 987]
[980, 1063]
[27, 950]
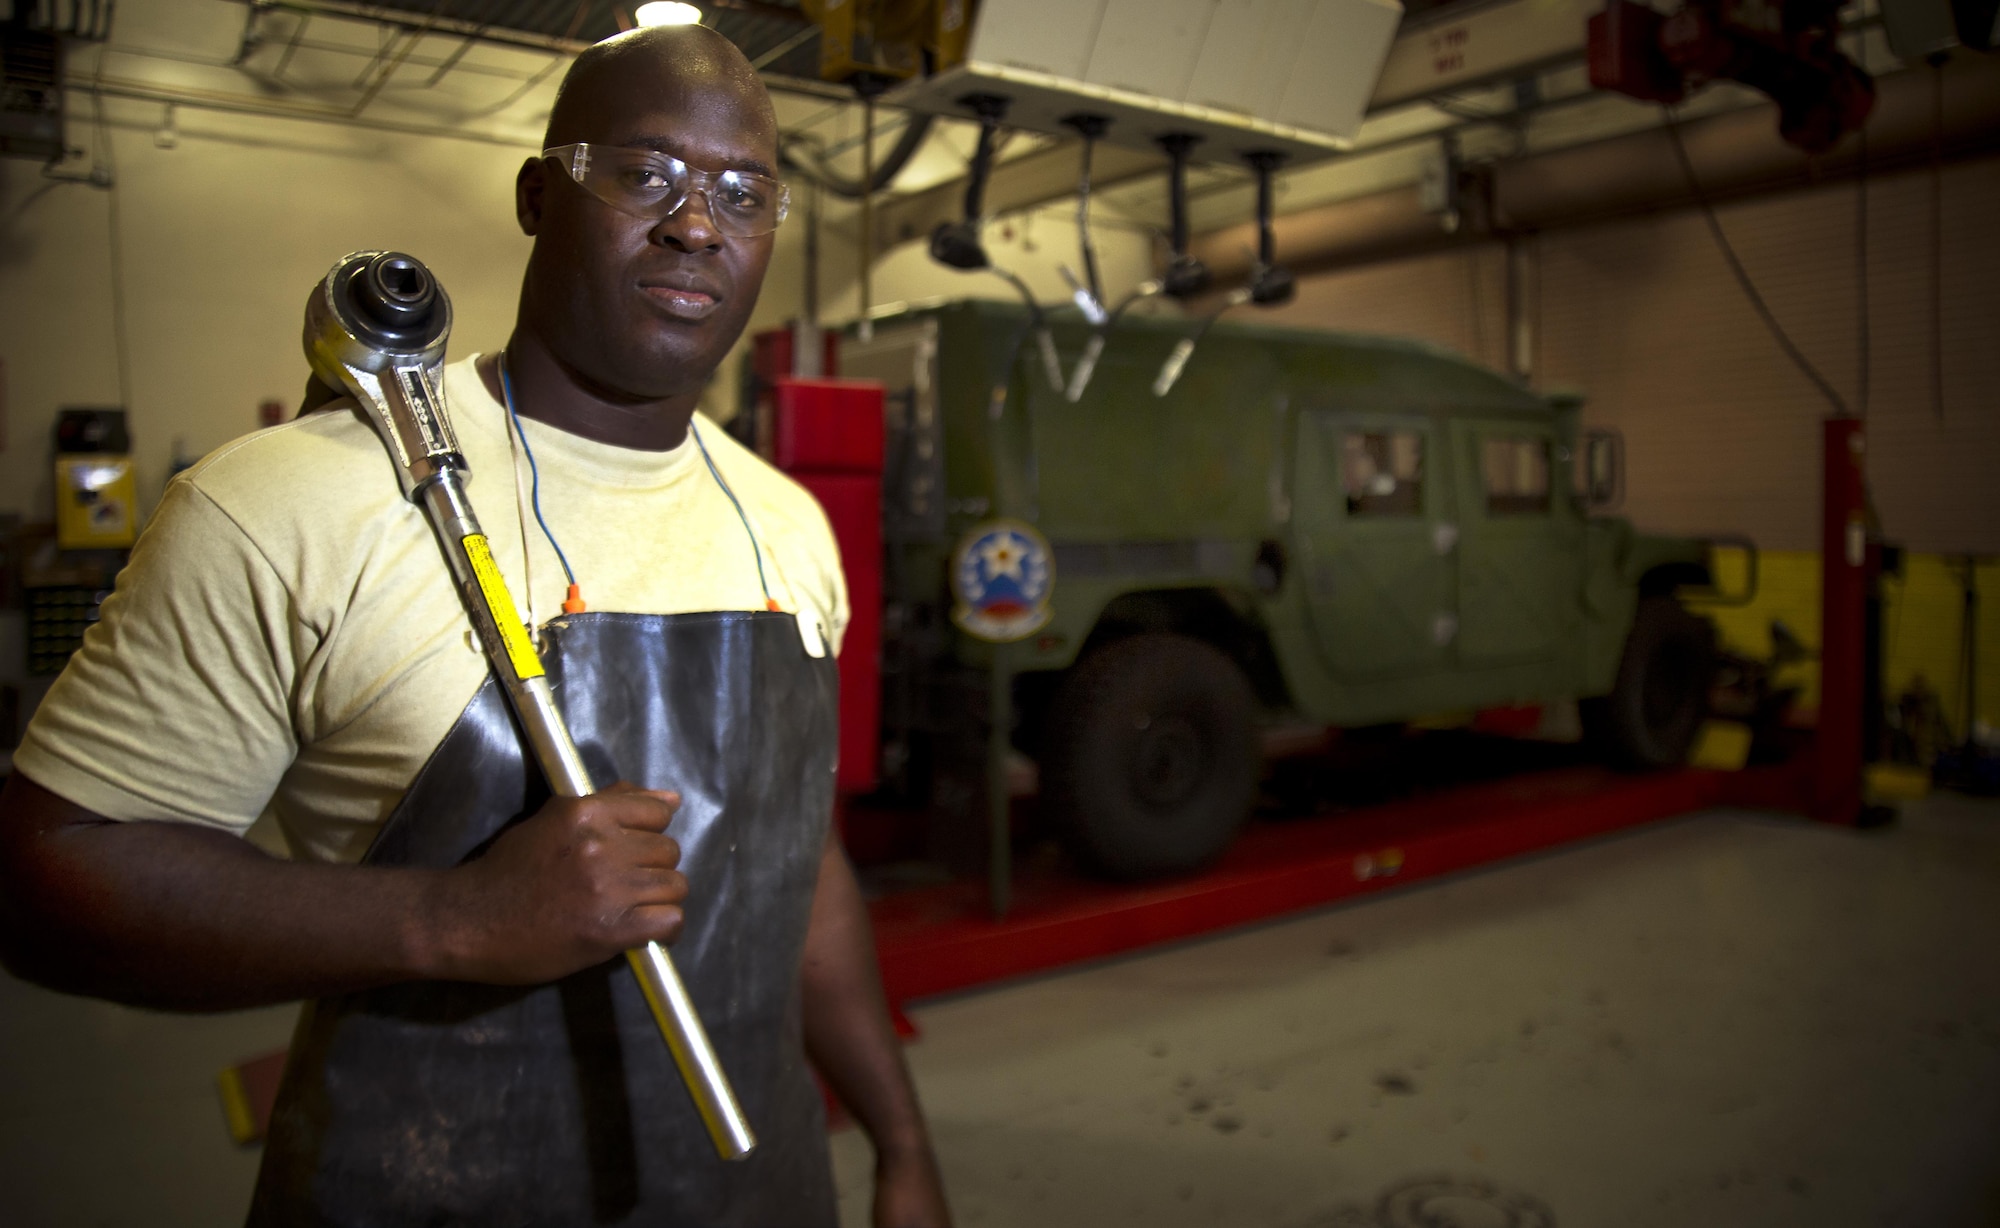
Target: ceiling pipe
[1739, 153]
[1373, 227]
[1735, 154]
[811, 164]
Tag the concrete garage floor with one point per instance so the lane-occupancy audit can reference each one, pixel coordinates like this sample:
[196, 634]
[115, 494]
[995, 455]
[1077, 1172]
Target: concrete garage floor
[1725, 1020]
[110, 1116]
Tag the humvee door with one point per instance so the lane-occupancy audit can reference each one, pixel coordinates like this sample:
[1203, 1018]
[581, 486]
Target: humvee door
[1369, 522]
[1520, 549]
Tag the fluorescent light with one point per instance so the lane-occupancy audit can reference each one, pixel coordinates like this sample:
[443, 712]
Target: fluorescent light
[667, 13]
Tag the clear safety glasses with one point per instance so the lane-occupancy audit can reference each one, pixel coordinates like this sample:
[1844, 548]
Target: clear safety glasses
[649, 184]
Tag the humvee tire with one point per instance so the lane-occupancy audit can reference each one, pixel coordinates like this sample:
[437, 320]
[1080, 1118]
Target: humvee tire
[1150, 755]
[1656, 707]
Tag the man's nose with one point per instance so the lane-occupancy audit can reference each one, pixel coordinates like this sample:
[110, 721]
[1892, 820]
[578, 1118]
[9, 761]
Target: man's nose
[691, 226]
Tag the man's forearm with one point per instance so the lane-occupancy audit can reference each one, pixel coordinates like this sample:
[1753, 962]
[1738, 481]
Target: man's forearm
[184, 918]
[847, 1030]
[187, 918]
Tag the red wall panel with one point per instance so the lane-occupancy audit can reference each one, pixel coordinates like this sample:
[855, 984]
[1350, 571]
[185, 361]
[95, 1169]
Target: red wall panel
[829, 439]
[828, 426]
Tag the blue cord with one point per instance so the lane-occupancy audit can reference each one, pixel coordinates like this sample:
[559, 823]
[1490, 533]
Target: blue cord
[535, 491]
[534, 474]
[770, 603]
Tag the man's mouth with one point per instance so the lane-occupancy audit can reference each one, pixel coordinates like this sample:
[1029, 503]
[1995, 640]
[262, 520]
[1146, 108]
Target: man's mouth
[683, 301]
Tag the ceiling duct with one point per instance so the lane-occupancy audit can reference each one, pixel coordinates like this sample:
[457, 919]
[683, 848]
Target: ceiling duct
[1288, 77]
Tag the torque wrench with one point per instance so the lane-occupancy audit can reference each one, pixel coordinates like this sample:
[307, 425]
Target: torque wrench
[375, 329]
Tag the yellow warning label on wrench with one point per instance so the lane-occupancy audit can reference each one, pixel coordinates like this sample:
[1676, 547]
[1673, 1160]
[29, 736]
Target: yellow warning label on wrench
[520, 649]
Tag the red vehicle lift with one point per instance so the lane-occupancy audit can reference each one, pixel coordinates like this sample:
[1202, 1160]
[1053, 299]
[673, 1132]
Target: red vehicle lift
[942, 939]
[1846, 563]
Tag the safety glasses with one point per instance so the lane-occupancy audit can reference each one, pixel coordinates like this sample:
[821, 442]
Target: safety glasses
[649, 184]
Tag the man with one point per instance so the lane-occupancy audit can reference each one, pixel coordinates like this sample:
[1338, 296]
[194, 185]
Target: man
[286, 640]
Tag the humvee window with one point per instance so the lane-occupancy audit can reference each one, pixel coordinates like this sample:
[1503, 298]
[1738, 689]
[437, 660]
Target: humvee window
[1383, 474]
[1516, 471]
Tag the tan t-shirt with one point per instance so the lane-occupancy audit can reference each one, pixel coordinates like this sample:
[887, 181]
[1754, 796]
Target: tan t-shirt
[286, 637]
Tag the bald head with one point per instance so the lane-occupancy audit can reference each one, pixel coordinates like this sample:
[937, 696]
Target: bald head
[640, 307]
[614, 75]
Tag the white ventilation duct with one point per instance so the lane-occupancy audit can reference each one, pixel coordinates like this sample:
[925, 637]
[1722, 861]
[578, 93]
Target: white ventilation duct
[1289, 77]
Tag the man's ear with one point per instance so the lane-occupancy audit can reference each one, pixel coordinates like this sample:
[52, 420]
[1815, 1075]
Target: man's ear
[529, 184]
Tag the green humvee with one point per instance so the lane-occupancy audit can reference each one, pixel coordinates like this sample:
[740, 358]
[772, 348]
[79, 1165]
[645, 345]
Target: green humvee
[1311, 527]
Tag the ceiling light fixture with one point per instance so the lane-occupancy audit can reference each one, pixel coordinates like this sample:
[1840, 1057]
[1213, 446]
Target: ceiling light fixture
[667, 13]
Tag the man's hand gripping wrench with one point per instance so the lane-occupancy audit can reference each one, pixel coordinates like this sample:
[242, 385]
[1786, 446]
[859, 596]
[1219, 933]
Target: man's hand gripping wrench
[376, 330]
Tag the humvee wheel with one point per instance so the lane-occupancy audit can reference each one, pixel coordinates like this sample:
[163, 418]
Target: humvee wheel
[1151, 755]
[1656, 707]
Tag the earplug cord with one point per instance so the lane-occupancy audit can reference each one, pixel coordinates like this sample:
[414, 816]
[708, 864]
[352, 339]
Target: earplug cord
[756, 551]
[573, 604]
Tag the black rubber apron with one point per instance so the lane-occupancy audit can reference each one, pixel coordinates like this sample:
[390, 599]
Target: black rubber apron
[435, 1103]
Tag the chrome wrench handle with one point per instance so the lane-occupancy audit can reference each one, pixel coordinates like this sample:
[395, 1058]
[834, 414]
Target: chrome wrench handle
[376, 328]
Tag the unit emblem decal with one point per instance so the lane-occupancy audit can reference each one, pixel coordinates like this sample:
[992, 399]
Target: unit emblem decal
[1001, 575]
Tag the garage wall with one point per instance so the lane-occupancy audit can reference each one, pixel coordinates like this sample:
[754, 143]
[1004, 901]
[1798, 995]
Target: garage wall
[221, 239]
[1723, 431]
[1456, 298]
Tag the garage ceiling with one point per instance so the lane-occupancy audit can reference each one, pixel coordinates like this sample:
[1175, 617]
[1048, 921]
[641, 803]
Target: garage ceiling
[775, 34]
[486, 70]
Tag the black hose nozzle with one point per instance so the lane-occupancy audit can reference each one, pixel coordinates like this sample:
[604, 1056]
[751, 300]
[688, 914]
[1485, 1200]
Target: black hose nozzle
[957, 243]
[1272, 286]
[1269, 284]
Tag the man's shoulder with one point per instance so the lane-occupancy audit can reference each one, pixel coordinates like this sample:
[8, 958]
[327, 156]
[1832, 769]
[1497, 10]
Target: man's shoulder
[325, 467]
